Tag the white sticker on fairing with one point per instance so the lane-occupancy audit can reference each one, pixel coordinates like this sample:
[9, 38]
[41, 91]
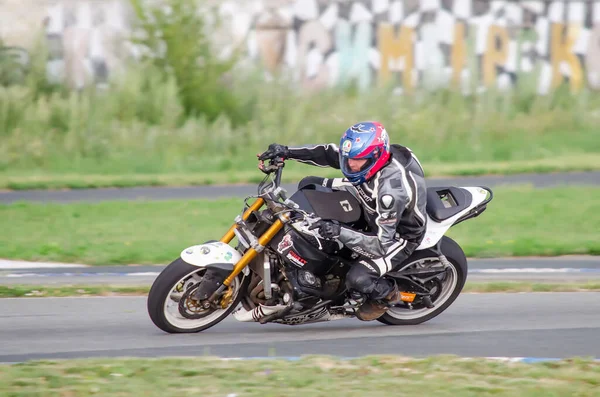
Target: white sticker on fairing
[285, 243]
[346, 205]
[297, 259]
[204, 254]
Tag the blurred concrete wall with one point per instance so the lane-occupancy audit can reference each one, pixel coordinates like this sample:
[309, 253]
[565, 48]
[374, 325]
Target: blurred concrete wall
[471, 44]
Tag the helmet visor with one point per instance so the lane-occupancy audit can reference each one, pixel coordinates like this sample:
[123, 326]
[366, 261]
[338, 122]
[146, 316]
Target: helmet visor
[356, 164]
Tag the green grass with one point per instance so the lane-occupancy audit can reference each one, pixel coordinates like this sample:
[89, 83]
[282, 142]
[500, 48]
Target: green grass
[310, 376]
[137, 133]
[518, 222]
[525, 286]
[44, 291]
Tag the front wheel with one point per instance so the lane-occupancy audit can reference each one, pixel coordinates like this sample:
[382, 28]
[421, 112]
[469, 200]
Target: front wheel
[170, 304]
[451, 282]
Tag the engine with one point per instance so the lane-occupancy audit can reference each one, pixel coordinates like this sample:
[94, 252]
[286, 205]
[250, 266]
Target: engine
[301, 267]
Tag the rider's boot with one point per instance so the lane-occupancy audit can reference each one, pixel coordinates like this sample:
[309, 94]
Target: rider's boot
[372, 309]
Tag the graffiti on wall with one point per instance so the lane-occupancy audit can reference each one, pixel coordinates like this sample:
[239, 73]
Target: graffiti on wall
[468, 44]
[14, 64]
[84, 40]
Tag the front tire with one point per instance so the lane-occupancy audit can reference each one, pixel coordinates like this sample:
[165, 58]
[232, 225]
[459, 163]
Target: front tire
[172, 284]
[455, 278]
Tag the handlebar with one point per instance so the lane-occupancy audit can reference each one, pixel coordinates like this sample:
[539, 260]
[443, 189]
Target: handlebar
[275, 165]
[278, 174]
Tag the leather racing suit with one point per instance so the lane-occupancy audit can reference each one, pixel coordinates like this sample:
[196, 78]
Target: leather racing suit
[394, 202]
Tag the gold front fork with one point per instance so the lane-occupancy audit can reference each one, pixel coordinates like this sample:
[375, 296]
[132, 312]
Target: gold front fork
[254, 207]
[251, 253]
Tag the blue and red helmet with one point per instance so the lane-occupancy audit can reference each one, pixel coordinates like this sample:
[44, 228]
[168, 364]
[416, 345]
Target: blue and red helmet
[366, 140]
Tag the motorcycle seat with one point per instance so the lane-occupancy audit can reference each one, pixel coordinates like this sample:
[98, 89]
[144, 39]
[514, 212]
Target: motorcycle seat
[445, 202]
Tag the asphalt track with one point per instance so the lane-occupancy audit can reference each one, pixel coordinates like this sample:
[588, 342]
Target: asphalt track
[196, 192]
[556, 325]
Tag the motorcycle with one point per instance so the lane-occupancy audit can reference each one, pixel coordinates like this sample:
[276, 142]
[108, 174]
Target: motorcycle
[282, 271]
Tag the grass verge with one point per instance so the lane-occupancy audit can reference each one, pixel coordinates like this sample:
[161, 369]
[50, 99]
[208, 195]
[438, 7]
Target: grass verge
[246, 172]
[524, 286]
[43, 291]
[311, 375]
[518, 222]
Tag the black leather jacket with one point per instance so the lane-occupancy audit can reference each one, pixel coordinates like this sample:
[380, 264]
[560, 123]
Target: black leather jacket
[394, 200]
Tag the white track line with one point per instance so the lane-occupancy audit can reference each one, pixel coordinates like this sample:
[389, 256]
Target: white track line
[6, 264]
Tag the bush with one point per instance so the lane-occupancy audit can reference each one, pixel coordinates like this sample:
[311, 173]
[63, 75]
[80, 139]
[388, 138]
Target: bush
[174, 38]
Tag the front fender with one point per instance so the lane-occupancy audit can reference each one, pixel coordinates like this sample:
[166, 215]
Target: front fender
[212, 252]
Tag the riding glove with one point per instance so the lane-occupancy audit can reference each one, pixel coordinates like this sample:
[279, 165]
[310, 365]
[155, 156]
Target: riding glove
[329, 230]
[275, 150]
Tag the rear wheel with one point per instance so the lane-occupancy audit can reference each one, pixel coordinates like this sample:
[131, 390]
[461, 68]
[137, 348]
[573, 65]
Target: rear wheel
[445, 288]
[172, 308]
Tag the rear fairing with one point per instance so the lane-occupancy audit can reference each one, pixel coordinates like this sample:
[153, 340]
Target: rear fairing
[436, 230]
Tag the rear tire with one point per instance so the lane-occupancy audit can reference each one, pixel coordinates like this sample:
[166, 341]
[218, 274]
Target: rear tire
[455, 255]
[162, 290]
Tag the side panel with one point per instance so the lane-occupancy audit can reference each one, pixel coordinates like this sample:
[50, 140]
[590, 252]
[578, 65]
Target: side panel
[203, 254]
[299, 253]
[436, 230]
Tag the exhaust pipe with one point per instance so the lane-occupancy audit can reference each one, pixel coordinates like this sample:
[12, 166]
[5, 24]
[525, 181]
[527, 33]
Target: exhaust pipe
[257, 313]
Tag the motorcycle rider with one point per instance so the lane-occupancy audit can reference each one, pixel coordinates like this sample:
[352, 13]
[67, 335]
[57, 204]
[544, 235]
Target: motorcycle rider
[389, 182]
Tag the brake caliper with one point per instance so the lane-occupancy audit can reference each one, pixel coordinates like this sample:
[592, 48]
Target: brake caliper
[227, 298]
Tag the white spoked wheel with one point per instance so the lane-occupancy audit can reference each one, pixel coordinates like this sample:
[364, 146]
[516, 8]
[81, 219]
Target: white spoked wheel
[448, 282]
[445, 288]
[171, 305]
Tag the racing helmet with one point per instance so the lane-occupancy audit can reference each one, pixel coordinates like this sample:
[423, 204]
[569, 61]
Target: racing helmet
[366, 140]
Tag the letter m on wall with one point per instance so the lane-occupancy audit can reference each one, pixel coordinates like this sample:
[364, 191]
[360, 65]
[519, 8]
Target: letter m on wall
[396, 51]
